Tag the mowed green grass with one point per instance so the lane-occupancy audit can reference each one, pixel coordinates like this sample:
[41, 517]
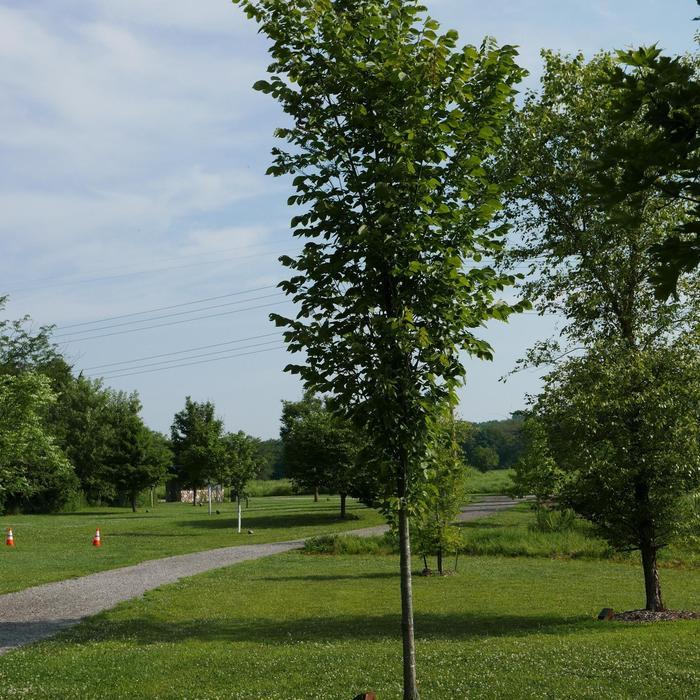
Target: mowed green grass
[55, 547]
[307, 627]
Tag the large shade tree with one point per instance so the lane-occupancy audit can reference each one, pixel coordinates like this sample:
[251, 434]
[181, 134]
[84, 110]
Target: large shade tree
[323, 450]
[390, 124]
[592, 261]
[617, 439]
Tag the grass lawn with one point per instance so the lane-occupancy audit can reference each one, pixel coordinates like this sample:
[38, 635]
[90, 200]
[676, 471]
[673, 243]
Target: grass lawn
[327, 627]
[55, 547]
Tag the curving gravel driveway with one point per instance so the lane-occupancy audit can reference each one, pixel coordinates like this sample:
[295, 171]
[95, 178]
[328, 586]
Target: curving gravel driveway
[42, 611]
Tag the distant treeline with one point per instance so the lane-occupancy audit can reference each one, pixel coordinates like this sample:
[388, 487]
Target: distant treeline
[495, 444]
[271, 459]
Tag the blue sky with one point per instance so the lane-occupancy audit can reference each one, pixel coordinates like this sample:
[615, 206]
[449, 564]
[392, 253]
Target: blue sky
[133, 154]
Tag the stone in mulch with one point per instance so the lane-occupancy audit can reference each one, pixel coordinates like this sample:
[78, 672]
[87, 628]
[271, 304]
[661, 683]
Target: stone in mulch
[661, 616]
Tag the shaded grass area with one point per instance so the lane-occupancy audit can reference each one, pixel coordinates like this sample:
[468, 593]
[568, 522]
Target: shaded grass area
[295, 627]
[497, 481]
[55, 547]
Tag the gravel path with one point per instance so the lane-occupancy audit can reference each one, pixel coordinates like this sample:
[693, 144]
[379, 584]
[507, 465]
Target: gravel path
[39, 612]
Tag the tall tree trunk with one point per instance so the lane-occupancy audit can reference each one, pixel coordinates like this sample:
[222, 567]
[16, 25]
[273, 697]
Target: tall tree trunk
[194, 496]
[133, 502]
[651, 579]
[343, 496]
[410, 686]
[238, 498]
[316, 494]
[152, 490]
[439, 561]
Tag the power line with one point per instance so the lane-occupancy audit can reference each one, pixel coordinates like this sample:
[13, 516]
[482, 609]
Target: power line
[101, 278]
[166, 363]
[175, 323]
[166, 308]
[198, 362]
[180, 352]
[158, 318]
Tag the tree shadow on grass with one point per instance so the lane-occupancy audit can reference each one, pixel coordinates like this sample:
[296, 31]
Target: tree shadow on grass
[332, 577]
[267, 522]
[332, 628]
[112, 535]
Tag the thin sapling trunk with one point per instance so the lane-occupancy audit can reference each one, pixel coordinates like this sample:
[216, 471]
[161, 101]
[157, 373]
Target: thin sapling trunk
[410, 686]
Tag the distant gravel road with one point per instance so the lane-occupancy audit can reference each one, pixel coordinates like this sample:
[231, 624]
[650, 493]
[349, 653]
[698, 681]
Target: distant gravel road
[485, 506]
[40, 612]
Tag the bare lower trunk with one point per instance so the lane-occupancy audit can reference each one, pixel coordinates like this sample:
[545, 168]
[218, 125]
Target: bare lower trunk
[651, 579]
[410, 687]
[133, 502]
[439, 561]
[238, 498]
[152, 490]
[316, 495]
[209, 494]
[343, 497]
[194, 497]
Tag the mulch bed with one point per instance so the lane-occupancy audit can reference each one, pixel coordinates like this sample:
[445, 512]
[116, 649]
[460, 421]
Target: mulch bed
[661, 616]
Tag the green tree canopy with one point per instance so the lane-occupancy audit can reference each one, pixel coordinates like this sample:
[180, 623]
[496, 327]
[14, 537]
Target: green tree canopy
[660, 96]
[196, 435]
[617, 438]
[31, 464]
[323, 450]
[591, 263]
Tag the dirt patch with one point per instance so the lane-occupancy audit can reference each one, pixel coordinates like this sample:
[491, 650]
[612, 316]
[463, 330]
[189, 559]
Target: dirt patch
[661, 616]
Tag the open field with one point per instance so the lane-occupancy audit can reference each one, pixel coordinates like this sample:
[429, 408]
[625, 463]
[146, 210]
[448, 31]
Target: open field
[301, 626]
[497, 481]
[55, 547]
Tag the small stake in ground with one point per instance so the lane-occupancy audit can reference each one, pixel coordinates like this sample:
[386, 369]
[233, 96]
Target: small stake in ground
[96, 541]
[10, 541]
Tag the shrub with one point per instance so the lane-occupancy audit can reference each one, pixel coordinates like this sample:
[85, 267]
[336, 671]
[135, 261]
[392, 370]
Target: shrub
[551, 520]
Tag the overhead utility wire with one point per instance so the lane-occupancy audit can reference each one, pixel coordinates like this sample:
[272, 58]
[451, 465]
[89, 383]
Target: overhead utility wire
[176, 259]
[198, 362]
[167, 363]
[179, 352]
[175, 323]
[158, 318]
[166, 308]
[87, 280]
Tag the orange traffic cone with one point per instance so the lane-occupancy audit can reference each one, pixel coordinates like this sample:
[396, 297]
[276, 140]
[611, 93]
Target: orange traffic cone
[10, 541]
[96, 541]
